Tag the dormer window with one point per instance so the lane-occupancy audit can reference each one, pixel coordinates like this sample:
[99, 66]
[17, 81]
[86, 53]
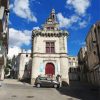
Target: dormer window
[52, 28]
[48, 28]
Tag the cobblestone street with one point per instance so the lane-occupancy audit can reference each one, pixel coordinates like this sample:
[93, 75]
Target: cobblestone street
[14, 90]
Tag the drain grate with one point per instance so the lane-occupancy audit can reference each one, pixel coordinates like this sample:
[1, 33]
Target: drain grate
[30, 96]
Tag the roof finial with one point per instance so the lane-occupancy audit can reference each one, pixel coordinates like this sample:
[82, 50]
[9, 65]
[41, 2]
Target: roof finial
[53, 10]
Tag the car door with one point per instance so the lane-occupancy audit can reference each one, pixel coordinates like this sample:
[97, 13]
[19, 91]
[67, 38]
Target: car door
[44, 82]
[49, 82]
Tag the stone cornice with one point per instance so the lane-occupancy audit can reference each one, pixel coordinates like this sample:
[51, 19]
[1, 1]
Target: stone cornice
[49, 33]
[49, 53]
[51, 57]
[45, 55]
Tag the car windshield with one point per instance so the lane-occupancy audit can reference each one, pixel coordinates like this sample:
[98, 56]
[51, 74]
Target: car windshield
[43, 78]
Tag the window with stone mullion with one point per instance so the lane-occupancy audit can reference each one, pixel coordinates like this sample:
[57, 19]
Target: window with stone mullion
[50, 47]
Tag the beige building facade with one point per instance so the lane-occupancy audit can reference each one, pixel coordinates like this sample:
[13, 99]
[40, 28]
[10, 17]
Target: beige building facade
[49, 50]
[82, 63]
[73, 68]
[23, 60]
[4, 33]
[93, 54]
[73, 61]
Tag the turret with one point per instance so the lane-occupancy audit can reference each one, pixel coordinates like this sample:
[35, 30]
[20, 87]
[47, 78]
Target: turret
[51, 22]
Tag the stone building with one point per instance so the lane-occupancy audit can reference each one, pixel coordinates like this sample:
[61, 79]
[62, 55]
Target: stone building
[73, 68]
[73, 61]
[93, 54]
[4, 33]
[24, 65]
[49, 51]
[14, 67]
[82, 63]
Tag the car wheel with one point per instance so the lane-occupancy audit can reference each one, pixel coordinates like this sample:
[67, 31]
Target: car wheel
[38, 85]
[55, 85]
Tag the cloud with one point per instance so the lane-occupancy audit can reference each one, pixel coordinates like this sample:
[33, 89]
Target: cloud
[11, 6]
[36, 28]
[18, 38]
[80, 6]
[21, 8]
[79, 19]
[9, 22]
[15, 50]
[28, 51]
[78, 42]
[66, 22]
[83, 24]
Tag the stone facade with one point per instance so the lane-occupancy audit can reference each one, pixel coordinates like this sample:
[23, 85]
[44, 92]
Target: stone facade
[73, 61]
[49, 48]
[82, 63]
[73, 68]
[3, 35]
[15, 67]
[24, 65]
[93, 54]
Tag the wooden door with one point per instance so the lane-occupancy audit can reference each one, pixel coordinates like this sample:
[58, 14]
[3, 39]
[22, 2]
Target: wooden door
[49, 69]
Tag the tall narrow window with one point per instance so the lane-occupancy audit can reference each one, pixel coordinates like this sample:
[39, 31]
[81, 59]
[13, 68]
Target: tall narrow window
[50, 47]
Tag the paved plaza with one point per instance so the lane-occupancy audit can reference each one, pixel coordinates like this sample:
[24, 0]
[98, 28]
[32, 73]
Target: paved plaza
[14, 90]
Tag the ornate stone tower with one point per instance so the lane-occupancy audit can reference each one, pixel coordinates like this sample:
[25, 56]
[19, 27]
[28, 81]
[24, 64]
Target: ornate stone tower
[49, 50]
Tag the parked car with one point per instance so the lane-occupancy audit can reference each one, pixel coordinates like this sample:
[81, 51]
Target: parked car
[47, 82]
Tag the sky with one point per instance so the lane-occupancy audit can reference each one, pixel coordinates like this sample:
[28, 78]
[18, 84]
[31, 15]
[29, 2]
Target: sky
[75, 16]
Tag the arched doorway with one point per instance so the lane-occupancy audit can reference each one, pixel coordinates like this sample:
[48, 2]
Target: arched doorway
[49, 69]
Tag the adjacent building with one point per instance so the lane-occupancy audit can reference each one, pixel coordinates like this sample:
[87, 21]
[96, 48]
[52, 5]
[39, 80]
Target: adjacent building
[21, 66]
[73, 61]
[93, 54]
[49, 50]
[82, 63]
[4, 33]
[73, 68]
[14, 67]
[24, 66]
